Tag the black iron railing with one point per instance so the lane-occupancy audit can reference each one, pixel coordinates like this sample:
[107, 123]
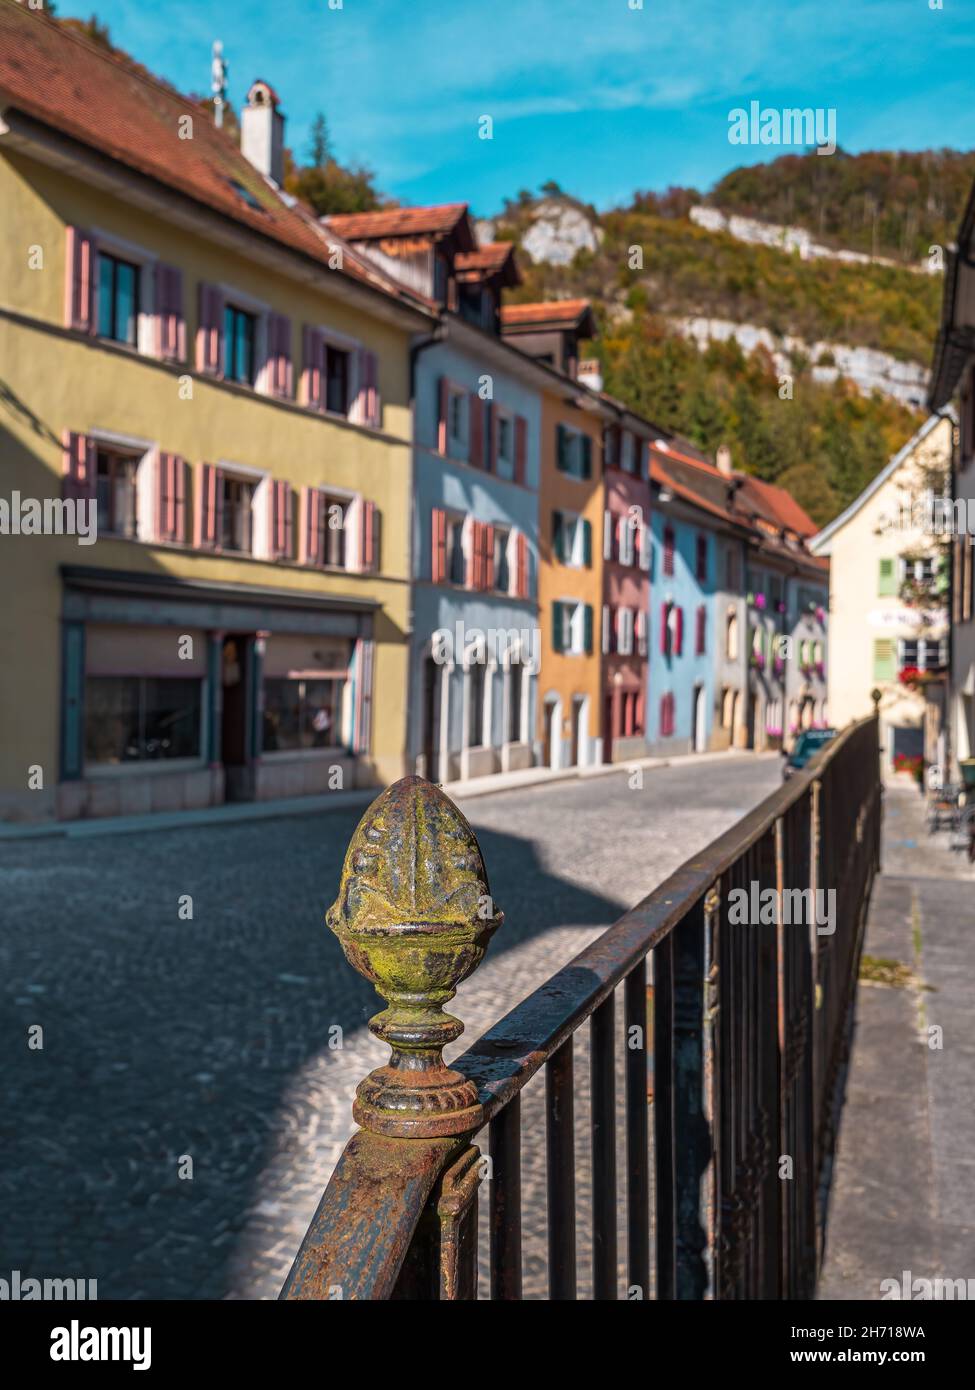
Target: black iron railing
[726, 1074]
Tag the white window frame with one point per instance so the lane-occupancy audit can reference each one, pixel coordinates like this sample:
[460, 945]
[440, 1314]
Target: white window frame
[146, 492]
[350, 525]
[625, 631]
[607, 633]
[260, 506]
[112, 245]
[466, 524]
[627, 535]
[238, 299]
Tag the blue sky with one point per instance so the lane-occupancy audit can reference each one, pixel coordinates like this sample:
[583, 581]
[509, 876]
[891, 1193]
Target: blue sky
[601, 97]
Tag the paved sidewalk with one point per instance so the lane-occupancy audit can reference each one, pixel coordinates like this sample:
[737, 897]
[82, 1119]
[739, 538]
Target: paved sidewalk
[233, 813]
[903, 1196]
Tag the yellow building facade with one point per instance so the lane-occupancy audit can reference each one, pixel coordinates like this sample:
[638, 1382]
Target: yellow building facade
[235, 625]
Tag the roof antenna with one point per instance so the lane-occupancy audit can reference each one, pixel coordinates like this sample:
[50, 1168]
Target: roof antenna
[218, 82]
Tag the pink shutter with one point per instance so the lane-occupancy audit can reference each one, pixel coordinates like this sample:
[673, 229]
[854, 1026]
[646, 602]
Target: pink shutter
[170, 322]
[521, 565]
[368, 548]
[489, 557]
[209, 334]
[280, 378]
[170, 498]
[473, 555]
[207, 508]
[438, 558]
[477, 430]
[443, 406]
[311, 533]
[280, 521]
[521, 448]
[81, 281]
[679, 635]
[80, 464]
[314, 373]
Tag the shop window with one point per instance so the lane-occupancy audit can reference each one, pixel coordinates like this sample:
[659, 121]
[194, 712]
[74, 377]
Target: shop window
[302, 714]
[141, 718]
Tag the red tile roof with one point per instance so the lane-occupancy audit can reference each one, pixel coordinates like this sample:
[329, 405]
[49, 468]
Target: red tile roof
[494, 259]
[395, 222]
[561, 311]
[51, 73]
[778, 505]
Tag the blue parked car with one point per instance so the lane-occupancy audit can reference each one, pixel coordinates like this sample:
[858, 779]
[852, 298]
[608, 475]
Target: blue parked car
[806, 745]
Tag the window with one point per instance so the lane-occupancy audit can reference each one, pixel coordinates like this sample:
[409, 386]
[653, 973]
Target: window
[514, 704]
[627, 535]
[925, 653]
[333, 517]
[668, 562]
[572, 539]
[116, 492]
[141, 718]
[572, 628]
[573, 452]
[610, 446]
[337, 380]
[237, 513]
[628, 452]
[240, 331]
[456, 559]
[701, 559]
[302, 714]
[475, 707]
[666, 716]
[118, 299]
[502, 571]
[457, 421]
[732, 576]
[624, 631]
[731, 635]
[700, 630]
[506, 446]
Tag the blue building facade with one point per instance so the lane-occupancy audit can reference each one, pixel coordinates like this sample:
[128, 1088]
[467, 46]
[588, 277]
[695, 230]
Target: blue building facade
[681, 668]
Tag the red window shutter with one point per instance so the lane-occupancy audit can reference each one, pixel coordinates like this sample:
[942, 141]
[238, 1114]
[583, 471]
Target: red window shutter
[280, 521]
[207, 509]
[701, 629]
[280, 371]
[209, 335]
[489, 557]
[475, 567]
[311, 532]
[81, 279]
[170, 321]
[679, 634]
[80, 464]
[521, 565]
[521, 449]
[369, 524]
[477, 430]
[443, 408]
[170, 498]
[439, 556]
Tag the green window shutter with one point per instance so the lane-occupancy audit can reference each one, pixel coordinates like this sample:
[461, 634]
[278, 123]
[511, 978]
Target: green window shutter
[883, 659]
[887, 583]
[587, 543]
[560, 448]
[587, 628]
[586, 456]
[558, 536]
[556, 627]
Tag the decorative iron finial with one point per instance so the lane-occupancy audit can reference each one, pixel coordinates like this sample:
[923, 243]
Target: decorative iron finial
[414, 916]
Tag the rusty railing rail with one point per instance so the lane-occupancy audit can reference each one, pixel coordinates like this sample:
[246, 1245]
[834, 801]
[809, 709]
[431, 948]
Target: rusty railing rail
[732, 1070]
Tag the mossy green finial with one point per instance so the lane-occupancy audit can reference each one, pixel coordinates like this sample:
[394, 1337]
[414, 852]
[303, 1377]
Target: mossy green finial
[414, 916]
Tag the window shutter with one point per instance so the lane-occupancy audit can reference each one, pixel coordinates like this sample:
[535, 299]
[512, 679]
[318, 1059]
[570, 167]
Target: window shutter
[586, 543]
[443, 407]
[280, 370]
[679, 634]
[170, 498]
[586, 456]
[169, 320]
[488, 557]
[521, 449]
[280, 537]
[521, 565]
[558, 536]
[560, 448]
[438, 568]
[646, 547]
[81, 281]
[312, 540]
[641, 633]
[208, 505]
[556, 627]
[209, 335]
[313, 376]
[476, 414]
[883, 659]
[606, 634]
[701, 629]
[368, 536]
[664, 629]
[80, 466]
[607, 535]
[887, 583]
[492, 456]
[587, 629]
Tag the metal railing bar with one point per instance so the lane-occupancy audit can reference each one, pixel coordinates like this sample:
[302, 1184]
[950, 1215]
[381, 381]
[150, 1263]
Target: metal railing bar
[561, 1172]
[602, 1075]
[637, 1131]
[504, 1139]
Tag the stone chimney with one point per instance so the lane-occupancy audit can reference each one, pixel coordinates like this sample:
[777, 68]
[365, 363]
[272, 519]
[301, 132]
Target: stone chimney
[722, 460]
[262, 131]
[590, 373]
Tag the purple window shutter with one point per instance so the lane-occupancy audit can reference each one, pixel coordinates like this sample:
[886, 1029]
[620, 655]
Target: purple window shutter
[80, 463]
[81, 281]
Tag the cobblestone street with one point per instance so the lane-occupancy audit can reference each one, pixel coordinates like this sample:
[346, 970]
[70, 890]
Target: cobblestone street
[214, 1039]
